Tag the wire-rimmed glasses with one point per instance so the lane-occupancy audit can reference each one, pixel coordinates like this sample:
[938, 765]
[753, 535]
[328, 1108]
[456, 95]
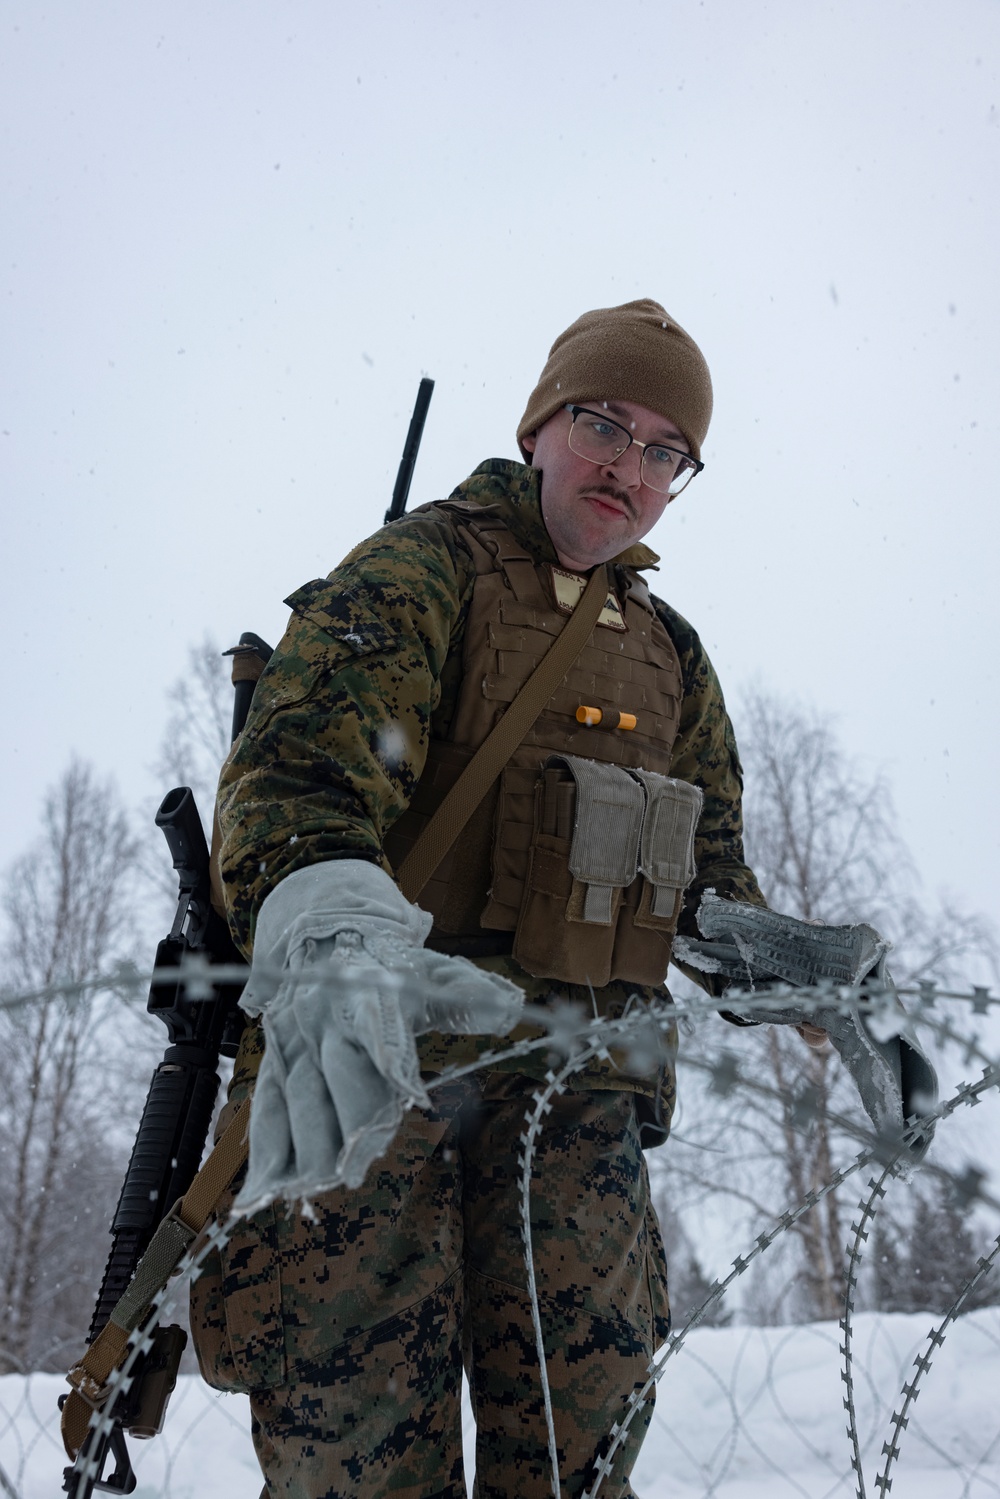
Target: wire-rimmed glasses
[599, 439]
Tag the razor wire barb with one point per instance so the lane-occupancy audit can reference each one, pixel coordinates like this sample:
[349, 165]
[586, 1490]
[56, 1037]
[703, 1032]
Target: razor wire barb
[967, 1093]
[198, 975]
[935, 1339]
[582, 1039]
[194, 972]
[860, 1230]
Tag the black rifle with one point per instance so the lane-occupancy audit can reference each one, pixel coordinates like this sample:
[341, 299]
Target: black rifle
[203, 1023]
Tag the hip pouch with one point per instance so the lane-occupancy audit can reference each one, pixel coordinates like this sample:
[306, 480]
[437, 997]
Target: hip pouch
[611, 854]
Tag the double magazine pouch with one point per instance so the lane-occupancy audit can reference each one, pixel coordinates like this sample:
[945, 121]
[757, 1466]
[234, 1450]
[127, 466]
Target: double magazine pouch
[611, 853]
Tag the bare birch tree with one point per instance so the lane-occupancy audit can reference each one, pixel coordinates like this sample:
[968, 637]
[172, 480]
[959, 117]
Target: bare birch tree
[69, 909]
[821, 836]
[73, 1064]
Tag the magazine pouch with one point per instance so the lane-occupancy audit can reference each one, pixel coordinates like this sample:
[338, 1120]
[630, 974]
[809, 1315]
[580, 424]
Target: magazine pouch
[666, 852]
[611, 852]
[647, 918]
[584, 854]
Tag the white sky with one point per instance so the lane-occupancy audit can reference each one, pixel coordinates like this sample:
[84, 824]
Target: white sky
[234, 236]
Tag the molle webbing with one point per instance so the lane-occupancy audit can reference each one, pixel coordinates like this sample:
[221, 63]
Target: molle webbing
[469, 789]
[512, 621]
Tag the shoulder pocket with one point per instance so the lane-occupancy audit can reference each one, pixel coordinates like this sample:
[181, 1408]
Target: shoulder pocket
[344, 629]
[344, 616]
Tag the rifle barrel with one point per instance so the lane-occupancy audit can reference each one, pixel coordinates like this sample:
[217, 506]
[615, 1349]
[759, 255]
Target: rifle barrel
[401, 492]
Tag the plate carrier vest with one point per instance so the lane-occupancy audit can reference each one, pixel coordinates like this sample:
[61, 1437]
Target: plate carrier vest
[577, 850]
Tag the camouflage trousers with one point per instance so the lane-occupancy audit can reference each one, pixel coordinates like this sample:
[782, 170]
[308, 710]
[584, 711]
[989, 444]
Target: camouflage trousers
[349, 1324]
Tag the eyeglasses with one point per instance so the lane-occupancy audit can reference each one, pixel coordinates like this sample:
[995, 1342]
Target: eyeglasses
[600, 440]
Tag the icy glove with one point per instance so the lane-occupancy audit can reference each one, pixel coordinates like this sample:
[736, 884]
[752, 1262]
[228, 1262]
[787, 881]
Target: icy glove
[343, 985]
[749, 945]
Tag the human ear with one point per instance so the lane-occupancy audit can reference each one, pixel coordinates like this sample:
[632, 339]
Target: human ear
[528, 441]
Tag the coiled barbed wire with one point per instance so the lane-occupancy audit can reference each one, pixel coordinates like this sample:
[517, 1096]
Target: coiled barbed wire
[965, 1094]
[860, 1230]
[729, 1071]
[935, 1339]
[584, 1040]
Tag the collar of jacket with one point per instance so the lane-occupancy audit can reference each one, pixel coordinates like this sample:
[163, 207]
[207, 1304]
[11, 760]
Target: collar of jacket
[514, 491]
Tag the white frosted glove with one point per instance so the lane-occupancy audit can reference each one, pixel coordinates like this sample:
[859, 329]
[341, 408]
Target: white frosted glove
[343, 985]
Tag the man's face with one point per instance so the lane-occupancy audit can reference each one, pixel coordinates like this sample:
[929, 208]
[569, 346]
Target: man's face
[593, 511]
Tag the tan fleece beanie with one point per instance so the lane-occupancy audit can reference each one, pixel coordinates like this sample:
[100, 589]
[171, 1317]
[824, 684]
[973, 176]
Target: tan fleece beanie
[629, 353]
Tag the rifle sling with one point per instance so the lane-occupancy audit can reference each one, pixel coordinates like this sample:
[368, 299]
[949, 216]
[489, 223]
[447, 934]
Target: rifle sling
[166, 1249]
[501, 742]
[184, 1223]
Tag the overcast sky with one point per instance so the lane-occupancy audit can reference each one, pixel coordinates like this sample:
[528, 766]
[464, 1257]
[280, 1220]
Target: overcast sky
[235, 235]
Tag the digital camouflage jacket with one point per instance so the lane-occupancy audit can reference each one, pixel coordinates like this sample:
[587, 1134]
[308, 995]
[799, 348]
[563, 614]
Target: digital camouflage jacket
[367, 671]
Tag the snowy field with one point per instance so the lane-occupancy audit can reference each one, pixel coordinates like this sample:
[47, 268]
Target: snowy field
[742, 1413]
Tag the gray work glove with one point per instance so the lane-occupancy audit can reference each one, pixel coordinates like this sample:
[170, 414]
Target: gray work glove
[343, 985]
[749, 945]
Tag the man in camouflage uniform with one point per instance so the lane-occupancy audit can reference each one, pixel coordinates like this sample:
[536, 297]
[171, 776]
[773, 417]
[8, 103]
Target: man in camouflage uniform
[349, 1322]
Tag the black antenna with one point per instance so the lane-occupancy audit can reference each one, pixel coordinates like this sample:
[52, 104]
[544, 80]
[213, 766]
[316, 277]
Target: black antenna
[402, 490]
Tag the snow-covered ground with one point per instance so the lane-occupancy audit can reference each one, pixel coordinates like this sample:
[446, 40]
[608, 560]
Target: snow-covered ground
[742, 1413]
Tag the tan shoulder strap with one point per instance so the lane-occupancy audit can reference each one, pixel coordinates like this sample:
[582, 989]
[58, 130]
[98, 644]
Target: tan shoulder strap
[498, 746]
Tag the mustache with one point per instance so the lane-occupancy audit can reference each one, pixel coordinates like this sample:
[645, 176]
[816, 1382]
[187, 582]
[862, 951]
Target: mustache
[620, 495]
